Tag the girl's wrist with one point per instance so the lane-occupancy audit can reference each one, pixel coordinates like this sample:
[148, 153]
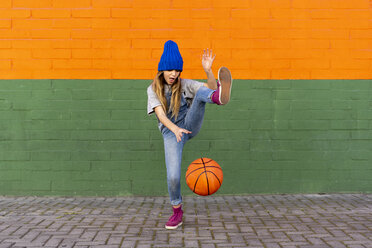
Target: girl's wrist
[174, 129]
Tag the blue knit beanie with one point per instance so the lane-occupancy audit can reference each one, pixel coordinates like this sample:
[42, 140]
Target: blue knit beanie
[171, 58]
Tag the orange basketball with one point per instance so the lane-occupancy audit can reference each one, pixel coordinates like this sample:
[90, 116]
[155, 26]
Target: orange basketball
[204, 176]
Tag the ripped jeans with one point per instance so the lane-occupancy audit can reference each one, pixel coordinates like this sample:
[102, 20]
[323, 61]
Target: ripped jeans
[192, 121]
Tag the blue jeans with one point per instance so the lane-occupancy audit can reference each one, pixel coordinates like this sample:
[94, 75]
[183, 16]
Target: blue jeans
[192, 121]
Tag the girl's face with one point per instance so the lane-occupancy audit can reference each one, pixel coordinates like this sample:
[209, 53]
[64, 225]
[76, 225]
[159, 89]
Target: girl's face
[171, 76]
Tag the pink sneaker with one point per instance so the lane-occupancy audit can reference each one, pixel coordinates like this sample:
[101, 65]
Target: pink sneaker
[222, 95]
[176, 219]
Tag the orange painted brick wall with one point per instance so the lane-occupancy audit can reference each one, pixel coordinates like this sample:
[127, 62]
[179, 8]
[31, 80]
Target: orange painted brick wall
[257, 39]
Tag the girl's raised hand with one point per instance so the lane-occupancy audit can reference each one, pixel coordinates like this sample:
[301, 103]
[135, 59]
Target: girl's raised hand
[207, 60]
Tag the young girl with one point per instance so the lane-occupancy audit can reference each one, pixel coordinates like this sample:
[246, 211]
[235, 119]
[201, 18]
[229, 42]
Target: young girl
[179, 105]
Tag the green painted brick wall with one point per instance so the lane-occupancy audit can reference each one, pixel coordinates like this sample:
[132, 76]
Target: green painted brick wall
[93, 137]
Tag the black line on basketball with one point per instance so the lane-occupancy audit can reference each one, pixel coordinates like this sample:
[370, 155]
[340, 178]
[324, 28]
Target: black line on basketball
[204, 162]
[197, 181]
[206, 176]
[215, 176]
[210, 166]
[213, 166]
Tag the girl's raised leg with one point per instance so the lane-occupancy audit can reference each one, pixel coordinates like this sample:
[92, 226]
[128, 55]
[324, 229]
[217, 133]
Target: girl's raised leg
[195, 115]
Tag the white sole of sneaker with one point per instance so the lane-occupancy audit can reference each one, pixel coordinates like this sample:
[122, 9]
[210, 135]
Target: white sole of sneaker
[173, 227]
[225, 79]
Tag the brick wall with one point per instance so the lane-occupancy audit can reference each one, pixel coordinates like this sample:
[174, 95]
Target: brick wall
[123, 39]
[93, 137]
[66, 137]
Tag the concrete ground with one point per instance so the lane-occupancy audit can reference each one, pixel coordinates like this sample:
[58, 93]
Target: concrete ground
[336, 220]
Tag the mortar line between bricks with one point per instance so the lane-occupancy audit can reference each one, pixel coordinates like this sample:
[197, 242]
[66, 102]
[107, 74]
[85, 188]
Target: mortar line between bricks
[73, 244]
[15, 230]
[28, 231]
[228, 237]
[46, 241]
[121, 241]
[60, 242]
[95, 235]
[108, 238]
[60, 227]
[289, 238]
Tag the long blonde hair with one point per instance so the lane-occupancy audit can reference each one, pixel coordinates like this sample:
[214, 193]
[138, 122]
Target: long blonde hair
[158, 86]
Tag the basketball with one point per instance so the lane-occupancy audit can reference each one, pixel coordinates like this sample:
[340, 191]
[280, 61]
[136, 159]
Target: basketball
[204, 176]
